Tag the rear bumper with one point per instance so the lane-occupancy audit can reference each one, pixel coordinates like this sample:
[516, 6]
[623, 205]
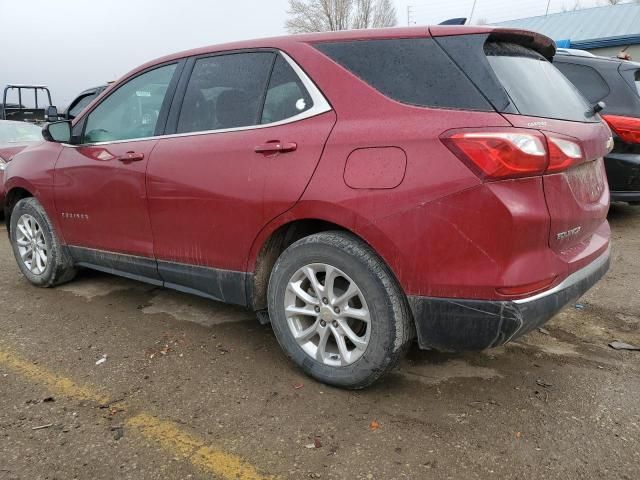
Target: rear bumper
[458, 325]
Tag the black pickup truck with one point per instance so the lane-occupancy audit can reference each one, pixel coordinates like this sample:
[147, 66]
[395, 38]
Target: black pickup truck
[32, 103]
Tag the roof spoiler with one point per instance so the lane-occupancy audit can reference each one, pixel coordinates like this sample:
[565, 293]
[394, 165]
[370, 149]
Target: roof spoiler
[536, 41]
[454, 21]
[542, 44]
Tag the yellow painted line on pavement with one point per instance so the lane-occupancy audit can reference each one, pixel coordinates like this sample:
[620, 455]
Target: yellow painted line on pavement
[166, 434]
[55, 383]
[173, 439]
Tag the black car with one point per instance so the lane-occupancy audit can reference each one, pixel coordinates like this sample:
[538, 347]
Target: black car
[82, 100]
[617, 83]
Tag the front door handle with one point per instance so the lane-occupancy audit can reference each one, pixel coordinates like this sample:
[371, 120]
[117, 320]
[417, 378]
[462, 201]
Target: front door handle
[276, 147]
[131, 157]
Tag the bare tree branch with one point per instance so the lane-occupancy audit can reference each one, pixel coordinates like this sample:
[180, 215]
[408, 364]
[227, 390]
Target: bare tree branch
[331, 15]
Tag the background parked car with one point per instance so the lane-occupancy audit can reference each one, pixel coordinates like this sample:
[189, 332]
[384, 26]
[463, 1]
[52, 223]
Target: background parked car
[617, 83]
[82, 100]
[14, 137]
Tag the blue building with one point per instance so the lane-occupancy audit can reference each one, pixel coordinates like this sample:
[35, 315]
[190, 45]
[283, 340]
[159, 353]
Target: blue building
[602, 30]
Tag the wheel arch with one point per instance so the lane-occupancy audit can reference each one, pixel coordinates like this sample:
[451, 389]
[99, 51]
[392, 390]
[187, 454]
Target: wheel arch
[12, 197]
[279, 235]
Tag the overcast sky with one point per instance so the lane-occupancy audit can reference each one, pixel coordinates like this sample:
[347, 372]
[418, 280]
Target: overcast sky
[71, 45]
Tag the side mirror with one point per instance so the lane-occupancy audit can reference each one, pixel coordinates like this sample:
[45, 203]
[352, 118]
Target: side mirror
[59, 132]
[51, 114]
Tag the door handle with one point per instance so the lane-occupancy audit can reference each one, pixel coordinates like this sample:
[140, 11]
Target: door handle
[131, 157]
[276, 147]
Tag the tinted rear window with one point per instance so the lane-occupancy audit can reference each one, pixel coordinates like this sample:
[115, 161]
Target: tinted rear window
[536, 87]
[586, 79]
[414, 71]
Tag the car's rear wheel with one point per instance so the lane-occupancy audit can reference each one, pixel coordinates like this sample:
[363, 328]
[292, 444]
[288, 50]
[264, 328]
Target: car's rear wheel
[38, 252]
[337, 311]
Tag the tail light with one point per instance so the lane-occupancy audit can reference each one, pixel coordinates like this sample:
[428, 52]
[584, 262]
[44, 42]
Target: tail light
[627, 128]
[563, 154]
[513, 153]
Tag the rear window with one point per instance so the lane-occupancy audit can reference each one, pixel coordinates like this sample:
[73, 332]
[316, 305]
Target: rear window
[536, 87]
[586, 79]
[414, 71]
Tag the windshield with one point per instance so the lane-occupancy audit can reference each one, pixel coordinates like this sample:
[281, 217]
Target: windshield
[19, 132]
[535, 86]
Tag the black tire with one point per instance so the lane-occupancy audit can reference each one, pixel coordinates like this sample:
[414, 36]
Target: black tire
[59, 268]
[392, 327]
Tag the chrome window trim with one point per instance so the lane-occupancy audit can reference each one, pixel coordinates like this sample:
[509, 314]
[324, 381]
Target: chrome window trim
[320, 106]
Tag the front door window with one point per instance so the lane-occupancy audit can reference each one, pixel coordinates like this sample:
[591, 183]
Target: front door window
[132, 111]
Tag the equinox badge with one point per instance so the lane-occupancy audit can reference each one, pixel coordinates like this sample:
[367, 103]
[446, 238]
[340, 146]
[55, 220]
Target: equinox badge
[569, 233]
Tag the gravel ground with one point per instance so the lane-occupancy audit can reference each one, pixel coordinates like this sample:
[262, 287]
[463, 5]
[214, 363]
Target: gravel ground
[559, 403]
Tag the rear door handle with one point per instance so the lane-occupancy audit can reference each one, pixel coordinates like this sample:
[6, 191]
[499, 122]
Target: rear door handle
[131, 157]
[276, 147]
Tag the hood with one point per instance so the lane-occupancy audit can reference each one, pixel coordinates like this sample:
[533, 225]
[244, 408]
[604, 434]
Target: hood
[8, 150]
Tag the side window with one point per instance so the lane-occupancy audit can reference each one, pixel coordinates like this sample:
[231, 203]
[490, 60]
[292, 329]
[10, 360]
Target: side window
[131, 111]
[415, 71]
[586, 79]
[286, 95]
[225, 91]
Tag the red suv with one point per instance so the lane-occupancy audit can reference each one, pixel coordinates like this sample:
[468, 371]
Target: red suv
[355, 189]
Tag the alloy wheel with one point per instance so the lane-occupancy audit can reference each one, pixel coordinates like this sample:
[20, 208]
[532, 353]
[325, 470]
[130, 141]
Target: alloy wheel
[327, 314]
[32, 244]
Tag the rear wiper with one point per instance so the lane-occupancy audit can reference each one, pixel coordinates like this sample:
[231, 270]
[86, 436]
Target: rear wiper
[597, 108]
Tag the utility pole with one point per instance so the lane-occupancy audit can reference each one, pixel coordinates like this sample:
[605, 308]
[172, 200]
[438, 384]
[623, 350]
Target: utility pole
[548, 5]
[408, 15]
[473, 9]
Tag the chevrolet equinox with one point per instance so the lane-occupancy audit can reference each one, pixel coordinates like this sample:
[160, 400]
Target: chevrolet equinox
[358, 190]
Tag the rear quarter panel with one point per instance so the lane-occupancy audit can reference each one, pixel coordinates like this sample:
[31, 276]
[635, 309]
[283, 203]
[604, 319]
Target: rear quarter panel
[403, 224]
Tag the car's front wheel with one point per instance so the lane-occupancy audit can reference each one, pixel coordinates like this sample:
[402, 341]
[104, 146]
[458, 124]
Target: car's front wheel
[38, 252]
[337, 310]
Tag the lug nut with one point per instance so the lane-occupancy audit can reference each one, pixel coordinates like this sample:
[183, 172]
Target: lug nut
[337, 310]
[335, 324]
[323, 323]
[325, 300]
[317, 309]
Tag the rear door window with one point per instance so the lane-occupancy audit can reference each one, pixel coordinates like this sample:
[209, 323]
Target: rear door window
[225, 91]
[286, 96]
[415, 71]
[638, 81]
[586, 79]
[535, 87]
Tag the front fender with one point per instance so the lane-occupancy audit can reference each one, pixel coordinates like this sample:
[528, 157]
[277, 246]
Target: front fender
[31, 172]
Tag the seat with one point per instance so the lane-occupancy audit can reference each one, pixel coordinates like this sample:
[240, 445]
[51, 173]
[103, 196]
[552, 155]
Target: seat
[235, 109]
